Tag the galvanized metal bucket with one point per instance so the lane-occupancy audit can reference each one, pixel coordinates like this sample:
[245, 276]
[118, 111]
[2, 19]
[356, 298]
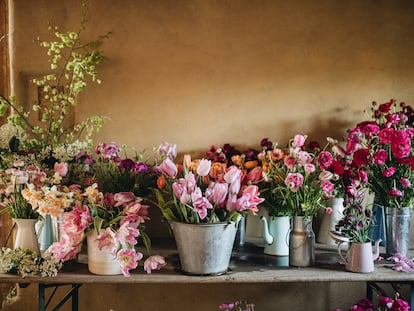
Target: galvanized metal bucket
[204, 249]
[302, 242]
[397, 222]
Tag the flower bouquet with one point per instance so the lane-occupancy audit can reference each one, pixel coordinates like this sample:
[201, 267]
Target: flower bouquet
[114, 220]
[383, 148]
[205, 200]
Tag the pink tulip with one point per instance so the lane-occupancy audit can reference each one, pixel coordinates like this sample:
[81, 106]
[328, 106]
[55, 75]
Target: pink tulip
[155, 262]
[217, 192]
[168, 150]
[127, 234]
[122, 198]
[128, 260]
[203, 168]
[168, 168]
[255, 175]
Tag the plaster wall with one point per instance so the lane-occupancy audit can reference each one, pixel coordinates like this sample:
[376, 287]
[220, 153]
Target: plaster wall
[207, 72]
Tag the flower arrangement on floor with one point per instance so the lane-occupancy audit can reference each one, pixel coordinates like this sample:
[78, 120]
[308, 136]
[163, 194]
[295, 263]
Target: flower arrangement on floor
[384, 147]
[203, 191]
[296, 179]
[384, 304]
[238, 305]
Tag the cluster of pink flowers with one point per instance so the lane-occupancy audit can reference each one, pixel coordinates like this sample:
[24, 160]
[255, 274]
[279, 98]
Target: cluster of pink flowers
[384, 147]
[299, 179]
[119, 215]
[402, 263]
[384, 304]
[207, 191]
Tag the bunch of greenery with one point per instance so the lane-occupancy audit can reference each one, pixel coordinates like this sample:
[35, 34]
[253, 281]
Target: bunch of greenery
[73, 63]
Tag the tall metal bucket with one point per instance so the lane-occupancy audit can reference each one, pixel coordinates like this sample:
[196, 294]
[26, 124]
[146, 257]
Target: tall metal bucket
[204, 249]
[397, 222]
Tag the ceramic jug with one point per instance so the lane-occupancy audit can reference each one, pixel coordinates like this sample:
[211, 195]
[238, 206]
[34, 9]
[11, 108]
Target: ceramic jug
[360, 257]
[276, 235]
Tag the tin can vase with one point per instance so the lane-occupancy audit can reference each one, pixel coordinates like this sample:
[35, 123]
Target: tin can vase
[397, 222]
[330, 220]
[204, 249]
[302, 242]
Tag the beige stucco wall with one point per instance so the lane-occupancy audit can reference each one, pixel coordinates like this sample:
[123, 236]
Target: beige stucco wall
[207, 72]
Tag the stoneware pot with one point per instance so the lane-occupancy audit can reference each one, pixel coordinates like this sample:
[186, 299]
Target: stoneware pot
[100, 262]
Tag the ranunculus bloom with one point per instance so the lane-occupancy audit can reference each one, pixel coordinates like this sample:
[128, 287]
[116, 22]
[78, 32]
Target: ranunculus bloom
[395, 193]
[385, 302]
[386, 136]
[327, 187]
[203, 168]
[401, 149]
[389, 171]
[405, 182]
[329, 210]
[361, 157]
[325, 159]
[294, 181]
[309, 168]
[304, 157]
[400, 305]
[155, 262]
[168, 168]
[109, 150]
[380, 157]
[290, 162]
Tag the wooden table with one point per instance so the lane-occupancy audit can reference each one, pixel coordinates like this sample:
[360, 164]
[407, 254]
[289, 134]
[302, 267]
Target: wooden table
[248, 265]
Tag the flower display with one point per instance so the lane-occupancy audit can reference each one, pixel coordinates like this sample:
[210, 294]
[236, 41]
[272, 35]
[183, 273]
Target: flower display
[238, 305]
[203, 191]
[383, 146]
[110, 207]
[384, 304]
[296, 180]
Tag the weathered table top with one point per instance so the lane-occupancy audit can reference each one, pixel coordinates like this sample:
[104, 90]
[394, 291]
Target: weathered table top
[248, 265]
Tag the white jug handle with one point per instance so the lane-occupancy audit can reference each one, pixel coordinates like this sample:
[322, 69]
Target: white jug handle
[340, 253]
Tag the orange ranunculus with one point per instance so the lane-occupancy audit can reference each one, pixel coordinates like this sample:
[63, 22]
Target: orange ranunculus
[160, 182]
[250, 164]
[265, 167]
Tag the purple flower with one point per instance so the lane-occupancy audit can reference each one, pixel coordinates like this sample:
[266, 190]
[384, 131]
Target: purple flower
[140, 168]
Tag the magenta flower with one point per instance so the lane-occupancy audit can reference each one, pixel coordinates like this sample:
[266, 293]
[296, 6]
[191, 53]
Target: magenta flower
[385, 302]
[294, 181]
[405, 182]
[109, 150]
[65, 249]
[155, 262]
[325, 159]
[380, 157]
[128, 260]
[395, 193]
[290, 162]
[361, 157]
[400, 305]
[389, 171]
[401, 149]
